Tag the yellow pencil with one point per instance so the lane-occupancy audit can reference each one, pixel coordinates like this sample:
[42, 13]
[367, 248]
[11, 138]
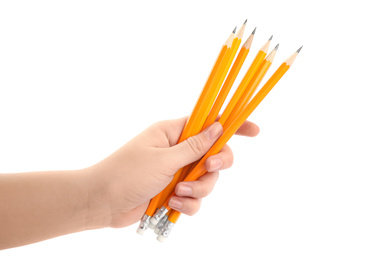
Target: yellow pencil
[248, 76]
[229, 81]
[190, 128]
[251, 88]
[199, 169]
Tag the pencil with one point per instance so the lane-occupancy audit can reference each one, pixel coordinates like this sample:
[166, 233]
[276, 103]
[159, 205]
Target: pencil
[222, 76]
[174, 215]
[188, 129]
[235, 45]
[248, 76]
[196, 120]
[205, 105]
[251, 88]
[199, 169]
[229, 81]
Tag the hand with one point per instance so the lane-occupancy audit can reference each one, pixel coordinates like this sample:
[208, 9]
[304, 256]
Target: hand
[123, 183]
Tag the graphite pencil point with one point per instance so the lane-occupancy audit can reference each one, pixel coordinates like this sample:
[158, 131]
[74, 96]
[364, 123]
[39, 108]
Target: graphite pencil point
[270, 38]
[254, 30]
[245, 21]
[299, 49]
[276, 47]
[234, 31]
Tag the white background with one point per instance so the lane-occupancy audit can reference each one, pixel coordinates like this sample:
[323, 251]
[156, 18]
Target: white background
[80, 78]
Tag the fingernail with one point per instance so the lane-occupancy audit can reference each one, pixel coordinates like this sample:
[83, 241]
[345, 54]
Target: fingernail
[214, 130]
[215, 164]
[175, 203]
[184, 190]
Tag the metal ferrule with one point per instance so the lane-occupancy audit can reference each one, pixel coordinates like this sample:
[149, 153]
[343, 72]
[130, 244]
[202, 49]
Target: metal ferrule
[160, 214]
[144, 224]
[161, 224]
[166, 230]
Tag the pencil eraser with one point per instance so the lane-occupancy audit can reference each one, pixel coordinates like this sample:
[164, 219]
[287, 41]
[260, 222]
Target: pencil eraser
[157, 231]
[153, 221]
[140, 231]
[152, 225]
[161, 238]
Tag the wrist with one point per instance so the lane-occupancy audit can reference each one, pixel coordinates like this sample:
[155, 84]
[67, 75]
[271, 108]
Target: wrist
[98, 213]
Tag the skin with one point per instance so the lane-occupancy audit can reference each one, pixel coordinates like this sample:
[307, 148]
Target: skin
[115, 192]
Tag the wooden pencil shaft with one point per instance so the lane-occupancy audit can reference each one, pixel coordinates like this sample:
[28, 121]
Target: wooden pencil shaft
[236, 124]
[222, 95]
[199, 169]
[249, 90]
[188, 128]
[207, 89]
[236, 43]
[204, 105]
[229, 132]
[201, 100]
[237, 94]
[174, 216]
[248, 76]
[223, 92]
[199, 122]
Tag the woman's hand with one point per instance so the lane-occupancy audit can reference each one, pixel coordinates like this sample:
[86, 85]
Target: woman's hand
[115, 192]
[122, 185]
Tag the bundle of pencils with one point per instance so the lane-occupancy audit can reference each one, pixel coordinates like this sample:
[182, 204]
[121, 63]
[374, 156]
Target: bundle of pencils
[159, 216]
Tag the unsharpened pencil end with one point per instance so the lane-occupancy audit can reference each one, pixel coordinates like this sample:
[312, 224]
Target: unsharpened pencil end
[235, 28]
[245, 21]
[254, 30]
[153, 223]
[271, 38]
[152, 226]
[157, 231]
[161, 238]
[299, 49]
[140, 231]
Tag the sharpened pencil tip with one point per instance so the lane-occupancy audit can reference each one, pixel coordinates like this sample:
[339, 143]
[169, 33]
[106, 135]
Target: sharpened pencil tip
[254, 30]
[234, 31]
[245, 21]
[276, 47]
[299, 49]
[271, 37]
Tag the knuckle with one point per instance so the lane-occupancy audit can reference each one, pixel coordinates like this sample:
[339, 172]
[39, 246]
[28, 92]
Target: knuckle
[230, 161]
[193, 208]
[204, 190]
[229, 156]
[195, 144]
[200, 188]
[159, 124]
[205, 185]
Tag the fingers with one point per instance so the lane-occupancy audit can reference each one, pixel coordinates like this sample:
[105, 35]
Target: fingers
[199, 188]
[188, 206]
[193, 148]
[221, 161]
[189, 194]
[248, 129]
[173, 128]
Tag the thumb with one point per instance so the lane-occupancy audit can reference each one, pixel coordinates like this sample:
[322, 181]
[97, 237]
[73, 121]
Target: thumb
[194, 147]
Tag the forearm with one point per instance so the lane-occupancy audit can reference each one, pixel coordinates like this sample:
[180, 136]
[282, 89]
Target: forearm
[41, 205]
